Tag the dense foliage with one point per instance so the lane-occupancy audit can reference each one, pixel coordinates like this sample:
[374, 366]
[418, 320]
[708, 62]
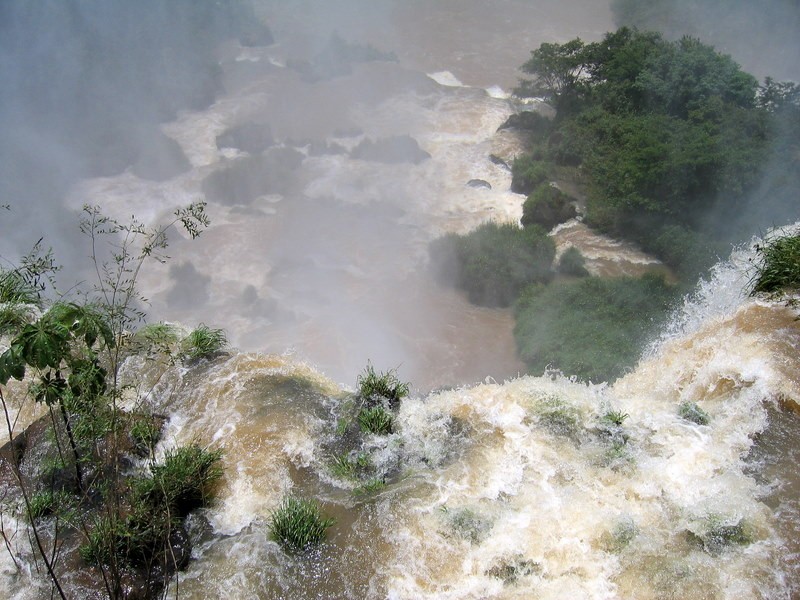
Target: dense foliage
[493, 263]
[593, 328]
[778, 269]
[672, 137]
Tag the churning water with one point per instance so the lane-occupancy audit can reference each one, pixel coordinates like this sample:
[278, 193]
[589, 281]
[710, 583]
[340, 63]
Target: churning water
[521, 489]
[513, 490]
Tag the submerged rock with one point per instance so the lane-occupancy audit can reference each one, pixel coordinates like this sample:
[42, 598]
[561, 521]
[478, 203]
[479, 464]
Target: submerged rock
[391, 150]
[479, 184]
[249, 137]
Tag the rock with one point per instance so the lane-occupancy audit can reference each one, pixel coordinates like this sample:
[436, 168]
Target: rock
[253, 138]
[161, 158]
[479, 184]
[242, 180]
[392, 150]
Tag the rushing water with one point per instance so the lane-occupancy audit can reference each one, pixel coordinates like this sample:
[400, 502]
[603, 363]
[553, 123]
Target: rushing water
[520, 490]
[512, 490]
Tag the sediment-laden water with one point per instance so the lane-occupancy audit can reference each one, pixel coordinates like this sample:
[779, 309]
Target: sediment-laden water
[493, 490]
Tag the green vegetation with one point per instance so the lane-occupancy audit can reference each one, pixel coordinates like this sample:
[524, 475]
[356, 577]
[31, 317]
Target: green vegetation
[693, 413]
[615, 417]
[593, 328]
[573, 263]
[75, 461]
[495, 262]
[666, 133]
[557, 417]
[374, 385]
[468, 524]
[547, 206]
[203, 342]
[375, 420]
[527, 173]
[297, 524]
[778, 268]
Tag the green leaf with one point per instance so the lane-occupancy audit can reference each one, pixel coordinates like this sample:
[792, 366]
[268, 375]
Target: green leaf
[12, 364]
[50, 388]
[43, 343]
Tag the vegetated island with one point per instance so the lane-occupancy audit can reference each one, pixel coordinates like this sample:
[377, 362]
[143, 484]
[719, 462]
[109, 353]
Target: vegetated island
[672, 146]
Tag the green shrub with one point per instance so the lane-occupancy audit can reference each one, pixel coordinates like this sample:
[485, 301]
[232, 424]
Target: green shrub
[572, 263]
[203, 342]
[693, 413]
[298, 524]
[371, 486]
[383, 385]
[494, 263]
[527, 173]
[778, 267]
[375, 420]
[593, 328]
[157, 336]
[547, 206]
[348, 466]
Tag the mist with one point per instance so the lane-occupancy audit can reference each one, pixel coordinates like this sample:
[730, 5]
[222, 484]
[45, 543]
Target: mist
[331, 141]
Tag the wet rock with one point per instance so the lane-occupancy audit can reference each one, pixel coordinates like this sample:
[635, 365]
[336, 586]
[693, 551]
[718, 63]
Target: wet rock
[242, 180]
[253, 138]
[391, 150]
[479, 184]
[161, 158]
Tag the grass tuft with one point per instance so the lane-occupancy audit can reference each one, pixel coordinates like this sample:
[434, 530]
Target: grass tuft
[372, 384]
[297, 524]
[693, 413]
[778, 271]
[204, 342]
[375, 420]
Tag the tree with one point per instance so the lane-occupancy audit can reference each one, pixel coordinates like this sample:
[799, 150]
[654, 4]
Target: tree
[558, 71]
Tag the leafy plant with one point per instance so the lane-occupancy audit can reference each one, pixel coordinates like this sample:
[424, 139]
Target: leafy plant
[547, 206]
[298, 524]
[690, 411]
[375, 420]
[203, 342]
[348, 466]
[48, 502]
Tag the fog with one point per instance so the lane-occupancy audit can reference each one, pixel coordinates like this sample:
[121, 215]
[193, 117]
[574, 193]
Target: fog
[332, 141]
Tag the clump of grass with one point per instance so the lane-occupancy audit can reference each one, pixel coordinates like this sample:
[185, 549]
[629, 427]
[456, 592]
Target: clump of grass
[298, 524]
[106, 539]
[48, 502]
[509, 571]
[348, 466]
[615, 417]
[375, 420]
[16, 289]
[145, 433]
[372, 384]
[693, 413]
[14, 317]
[204, 342]
[184, 480]
[371, 486]
[620, 536]
[778, 271]
[557, 417]
[720, 534]
[468, 524]
[157, 337]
